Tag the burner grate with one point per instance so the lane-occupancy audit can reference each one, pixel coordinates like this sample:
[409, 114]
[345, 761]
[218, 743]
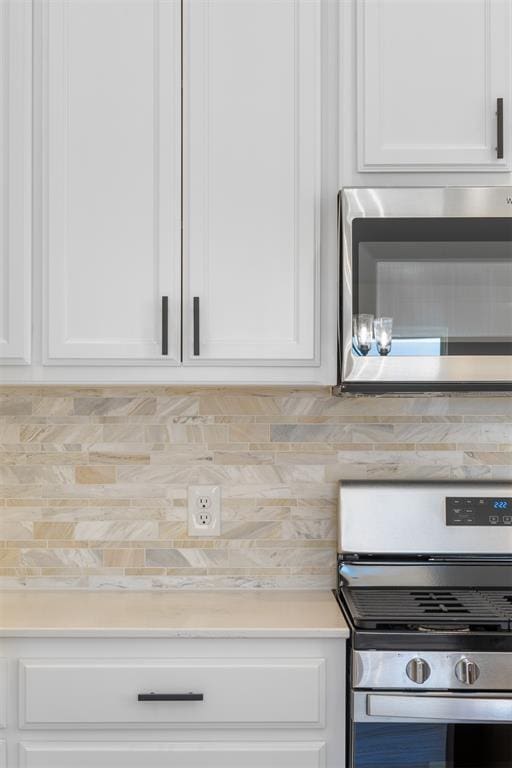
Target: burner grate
[373, 608]
[500, 600]
[439, 603]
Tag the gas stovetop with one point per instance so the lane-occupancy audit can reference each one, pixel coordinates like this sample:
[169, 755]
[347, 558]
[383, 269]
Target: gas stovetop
[426, 565]
[423, 609]
[435, 619]
[425, 583]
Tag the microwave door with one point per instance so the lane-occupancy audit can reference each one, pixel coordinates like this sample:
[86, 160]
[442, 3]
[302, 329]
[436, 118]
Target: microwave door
[437, 290]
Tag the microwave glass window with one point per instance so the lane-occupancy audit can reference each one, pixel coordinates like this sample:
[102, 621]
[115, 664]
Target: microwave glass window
[446, 283]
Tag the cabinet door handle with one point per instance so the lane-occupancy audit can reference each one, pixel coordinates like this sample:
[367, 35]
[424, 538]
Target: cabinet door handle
[196, 326]
[170, 697]
[165, 325]
[499, 129]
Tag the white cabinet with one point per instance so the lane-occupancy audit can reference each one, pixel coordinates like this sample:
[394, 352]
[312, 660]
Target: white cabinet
[252, 181]
[75, 702]
[429, 77]
[99, 693]
[15, 179]
[165, 754]
[138, 209]
[111, 179]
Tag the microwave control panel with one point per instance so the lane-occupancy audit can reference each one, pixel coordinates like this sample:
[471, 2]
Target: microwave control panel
[478, 510]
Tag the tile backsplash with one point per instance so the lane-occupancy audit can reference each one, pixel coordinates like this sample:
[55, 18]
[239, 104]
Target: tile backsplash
[93, 481]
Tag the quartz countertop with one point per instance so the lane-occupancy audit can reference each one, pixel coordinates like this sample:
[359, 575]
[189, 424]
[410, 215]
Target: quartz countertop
[244, 613]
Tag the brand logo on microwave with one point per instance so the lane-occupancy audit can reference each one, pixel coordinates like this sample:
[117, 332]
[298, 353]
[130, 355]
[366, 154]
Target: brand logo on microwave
[509, 200]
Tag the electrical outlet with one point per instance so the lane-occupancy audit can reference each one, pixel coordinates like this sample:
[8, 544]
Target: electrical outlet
[204, 510]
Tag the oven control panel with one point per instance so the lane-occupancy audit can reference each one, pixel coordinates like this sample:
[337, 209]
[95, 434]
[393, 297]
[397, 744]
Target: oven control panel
[488, 510]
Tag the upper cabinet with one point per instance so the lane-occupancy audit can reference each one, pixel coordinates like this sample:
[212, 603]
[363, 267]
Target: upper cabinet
[184, 187]
[15, 181]
[434, 85]
[252, 155]
[112, 180]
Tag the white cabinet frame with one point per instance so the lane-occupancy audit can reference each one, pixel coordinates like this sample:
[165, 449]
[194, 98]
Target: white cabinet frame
[16, 181]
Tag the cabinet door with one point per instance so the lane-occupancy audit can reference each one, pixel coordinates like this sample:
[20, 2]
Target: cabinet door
[111, 104]
[15, 179]
[163, 755]
[430, 73]
[252, 180]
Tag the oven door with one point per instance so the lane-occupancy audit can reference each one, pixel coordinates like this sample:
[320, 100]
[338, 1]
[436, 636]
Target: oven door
[431, 730]
[438, 264]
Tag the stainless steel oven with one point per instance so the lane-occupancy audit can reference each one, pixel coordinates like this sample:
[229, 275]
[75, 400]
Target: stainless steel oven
[431, 730]
[425, 582]
[426, 287]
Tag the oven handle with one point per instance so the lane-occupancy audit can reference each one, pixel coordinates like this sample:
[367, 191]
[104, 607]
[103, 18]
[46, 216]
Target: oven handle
[447, 708]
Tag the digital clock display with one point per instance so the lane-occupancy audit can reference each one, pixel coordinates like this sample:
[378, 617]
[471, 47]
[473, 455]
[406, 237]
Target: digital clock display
[479, 510]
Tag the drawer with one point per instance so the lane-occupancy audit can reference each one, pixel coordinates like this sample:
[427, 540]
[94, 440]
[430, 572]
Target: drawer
[163, 755]
[105, 692]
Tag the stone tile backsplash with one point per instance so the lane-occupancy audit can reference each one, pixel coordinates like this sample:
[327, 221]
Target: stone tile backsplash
[93, 482]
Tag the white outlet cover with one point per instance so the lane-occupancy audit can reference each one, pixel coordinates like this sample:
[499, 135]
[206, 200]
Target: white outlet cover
[195, 493]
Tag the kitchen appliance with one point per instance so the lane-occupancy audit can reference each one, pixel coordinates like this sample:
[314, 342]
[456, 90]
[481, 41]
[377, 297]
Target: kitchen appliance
[437, 264]
[425, 582]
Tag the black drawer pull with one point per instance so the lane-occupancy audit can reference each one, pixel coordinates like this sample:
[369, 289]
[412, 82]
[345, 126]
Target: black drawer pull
[165, 325]
[499, 129]
[170, 697]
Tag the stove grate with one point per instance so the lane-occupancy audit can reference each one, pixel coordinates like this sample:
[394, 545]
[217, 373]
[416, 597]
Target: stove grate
[501, 600]
[374, 608]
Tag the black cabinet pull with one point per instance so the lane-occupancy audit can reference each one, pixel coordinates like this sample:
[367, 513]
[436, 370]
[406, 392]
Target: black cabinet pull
[499, 129]
[196, 326]
[170, 697]
[165, 325]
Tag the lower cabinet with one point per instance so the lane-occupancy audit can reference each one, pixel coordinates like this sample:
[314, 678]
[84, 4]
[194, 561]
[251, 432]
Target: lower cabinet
[80, 702]
[134, 754]
[134, 692]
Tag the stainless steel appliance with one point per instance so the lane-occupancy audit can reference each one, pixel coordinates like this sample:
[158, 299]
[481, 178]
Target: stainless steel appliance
[426, 288]
[425, 581]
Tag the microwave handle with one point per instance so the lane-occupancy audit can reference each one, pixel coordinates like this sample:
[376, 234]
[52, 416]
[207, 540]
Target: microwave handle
[448, 709]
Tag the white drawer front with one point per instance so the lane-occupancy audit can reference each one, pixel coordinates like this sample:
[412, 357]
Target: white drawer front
[3, 695]
[164, 755]
[103, 693]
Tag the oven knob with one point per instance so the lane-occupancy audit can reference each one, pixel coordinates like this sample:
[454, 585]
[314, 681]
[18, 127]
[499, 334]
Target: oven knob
[418, 671]
[467, 672]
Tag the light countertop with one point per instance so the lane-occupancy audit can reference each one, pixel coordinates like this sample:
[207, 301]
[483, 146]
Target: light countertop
[244, 613]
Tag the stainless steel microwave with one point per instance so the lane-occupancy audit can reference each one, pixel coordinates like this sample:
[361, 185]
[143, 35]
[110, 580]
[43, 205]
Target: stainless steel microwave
[426, 288]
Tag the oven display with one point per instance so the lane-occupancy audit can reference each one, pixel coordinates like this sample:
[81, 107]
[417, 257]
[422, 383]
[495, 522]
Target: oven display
[478, 511]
